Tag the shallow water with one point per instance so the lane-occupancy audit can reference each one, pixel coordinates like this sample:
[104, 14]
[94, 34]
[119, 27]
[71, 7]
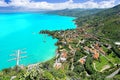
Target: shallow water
[20, 30]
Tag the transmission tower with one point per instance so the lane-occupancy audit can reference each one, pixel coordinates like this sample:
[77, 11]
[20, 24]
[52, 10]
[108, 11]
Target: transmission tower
[18, 57]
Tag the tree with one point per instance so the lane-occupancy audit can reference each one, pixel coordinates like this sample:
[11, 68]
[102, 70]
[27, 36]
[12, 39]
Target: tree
[88, 65]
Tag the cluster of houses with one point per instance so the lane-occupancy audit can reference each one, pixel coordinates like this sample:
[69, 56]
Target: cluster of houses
[95, 49]
[60, 58]
[68, 37]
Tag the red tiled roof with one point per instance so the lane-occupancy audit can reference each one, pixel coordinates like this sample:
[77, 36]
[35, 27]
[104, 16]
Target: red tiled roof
[96, 55]
[64, 55]
[82, 61]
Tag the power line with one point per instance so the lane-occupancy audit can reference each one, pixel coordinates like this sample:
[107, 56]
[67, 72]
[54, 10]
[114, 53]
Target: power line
[17, 56]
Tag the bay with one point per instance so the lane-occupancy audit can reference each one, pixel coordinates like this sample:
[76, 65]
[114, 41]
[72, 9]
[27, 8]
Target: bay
[21, 31]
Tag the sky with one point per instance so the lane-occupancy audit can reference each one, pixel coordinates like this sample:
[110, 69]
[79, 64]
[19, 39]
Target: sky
[58, 4]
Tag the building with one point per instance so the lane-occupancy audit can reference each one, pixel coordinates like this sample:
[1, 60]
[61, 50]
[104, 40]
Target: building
[96, 55]
[63, 56]
[82, 61]
[57, 65]
[117, 43]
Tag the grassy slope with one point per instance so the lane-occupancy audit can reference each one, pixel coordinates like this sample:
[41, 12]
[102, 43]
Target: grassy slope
[106, 22]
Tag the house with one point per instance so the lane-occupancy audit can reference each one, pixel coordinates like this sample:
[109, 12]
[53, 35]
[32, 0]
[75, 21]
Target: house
[117, 43]
[82, 60]
[62, 59]
[96, 55]
[63, 56]
[97, 46]
[57, 65]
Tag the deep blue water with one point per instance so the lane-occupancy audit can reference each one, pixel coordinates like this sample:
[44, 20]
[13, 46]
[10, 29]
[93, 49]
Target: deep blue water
[20, 30]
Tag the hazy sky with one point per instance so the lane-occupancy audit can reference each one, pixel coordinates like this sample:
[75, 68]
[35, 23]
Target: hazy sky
[58, 4]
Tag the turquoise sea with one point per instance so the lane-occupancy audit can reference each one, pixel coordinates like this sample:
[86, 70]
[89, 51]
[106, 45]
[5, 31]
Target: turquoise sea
[21, 31]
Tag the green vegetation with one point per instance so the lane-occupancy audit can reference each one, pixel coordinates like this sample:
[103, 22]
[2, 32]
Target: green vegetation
[88, 65]
[75, 12]
[102, 63]
[105, 23]
[85, 53]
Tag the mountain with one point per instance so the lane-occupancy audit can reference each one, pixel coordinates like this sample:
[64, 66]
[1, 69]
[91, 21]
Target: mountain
[106, 22]
[85, 53]
[10, 8]
[75, 12]
[20, 9]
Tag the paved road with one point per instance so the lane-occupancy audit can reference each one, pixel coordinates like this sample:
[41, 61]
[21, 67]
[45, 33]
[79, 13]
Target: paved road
[113, 74]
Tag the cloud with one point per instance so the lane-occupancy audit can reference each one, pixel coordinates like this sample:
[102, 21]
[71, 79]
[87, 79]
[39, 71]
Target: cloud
[3, 3]
[104, 4]
[30, 4]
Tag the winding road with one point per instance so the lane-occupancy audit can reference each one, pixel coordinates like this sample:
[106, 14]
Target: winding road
[113, 74]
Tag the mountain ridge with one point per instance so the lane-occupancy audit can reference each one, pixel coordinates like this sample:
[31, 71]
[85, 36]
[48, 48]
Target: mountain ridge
[103, 21]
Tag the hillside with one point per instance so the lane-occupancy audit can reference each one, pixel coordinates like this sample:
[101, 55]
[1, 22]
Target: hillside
[106, 22]
[75, 12]
[85, 53]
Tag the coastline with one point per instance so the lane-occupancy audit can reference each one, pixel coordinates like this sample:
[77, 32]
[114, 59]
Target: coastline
[42, 32]
[86, 52]
[21, 31]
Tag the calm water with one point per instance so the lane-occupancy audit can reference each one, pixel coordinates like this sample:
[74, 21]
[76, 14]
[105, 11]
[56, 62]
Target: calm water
[20, 30]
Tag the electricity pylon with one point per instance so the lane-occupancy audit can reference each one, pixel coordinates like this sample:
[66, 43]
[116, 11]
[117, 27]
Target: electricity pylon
[17, 56]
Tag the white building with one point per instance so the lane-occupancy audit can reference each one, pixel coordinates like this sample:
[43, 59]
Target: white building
[117, 43]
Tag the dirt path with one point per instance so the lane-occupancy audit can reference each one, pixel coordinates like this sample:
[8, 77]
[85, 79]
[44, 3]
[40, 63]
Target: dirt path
[105, 67]
[94, 66]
